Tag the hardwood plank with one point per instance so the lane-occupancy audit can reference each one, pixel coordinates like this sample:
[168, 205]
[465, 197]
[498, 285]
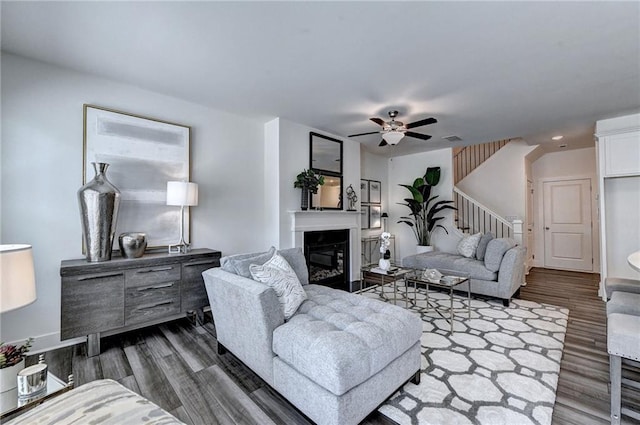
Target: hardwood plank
[278, 408]
[237, 404]
[151, 378]
[185, 343]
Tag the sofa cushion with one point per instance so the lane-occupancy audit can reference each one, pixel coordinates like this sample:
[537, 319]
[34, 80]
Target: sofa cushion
[450, 262]
[239, 264]
[495, 251]
[278, 274]
[295, 258]
[482, 245]
[339, 340]
[468, 245]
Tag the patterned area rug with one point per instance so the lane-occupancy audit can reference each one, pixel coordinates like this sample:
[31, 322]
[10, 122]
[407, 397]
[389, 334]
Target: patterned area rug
[499, 367]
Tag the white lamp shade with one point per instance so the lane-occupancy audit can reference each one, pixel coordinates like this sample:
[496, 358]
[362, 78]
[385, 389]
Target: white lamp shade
[392, 137]
[182, 194]
[17, 277]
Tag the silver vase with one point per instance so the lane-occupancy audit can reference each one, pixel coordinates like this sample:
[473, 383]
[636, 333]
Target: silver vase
[99, 201]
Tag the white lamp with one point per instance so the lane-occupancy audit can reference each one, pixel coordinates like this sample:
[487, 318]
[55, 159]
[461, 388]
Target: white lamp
[182, 194]
[17, 277]
[392, 137]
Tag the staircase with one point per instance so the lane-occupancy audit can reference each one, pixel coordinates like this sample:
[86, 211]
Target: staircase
[471, 215]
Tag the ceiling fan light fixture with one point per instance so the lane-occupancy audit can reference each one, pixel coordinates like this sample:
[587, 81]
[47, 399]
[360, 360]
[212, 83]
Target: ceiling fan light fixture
[392, 137]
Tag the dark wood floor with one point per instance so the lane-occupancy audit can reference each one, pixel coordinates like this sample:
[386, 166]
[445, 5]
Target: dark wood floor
[176, 365]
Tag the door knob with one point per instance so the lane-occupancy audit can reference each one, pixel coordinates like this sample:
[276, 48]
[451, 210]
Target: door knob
[546, 228]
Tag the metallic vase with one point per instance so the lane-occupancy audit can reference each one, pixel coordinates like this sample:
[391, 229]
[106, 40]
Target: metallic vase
[132, 244]
[99, 201]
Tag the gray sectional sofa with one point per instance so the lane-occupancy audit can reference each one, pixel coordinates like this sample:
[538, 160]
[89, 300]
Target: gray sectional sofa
[336, 359]
[500, 272]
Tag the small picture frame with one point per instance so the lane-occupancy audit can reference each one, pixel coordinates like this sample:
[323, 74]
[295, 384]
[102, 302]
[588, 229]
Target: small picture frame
[364, 217]
[375, 192]
[375, 221]
[364, 191]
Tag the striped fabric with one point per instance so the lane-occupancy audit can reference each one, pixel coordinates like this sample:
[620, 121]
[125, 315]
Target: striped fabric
[103, 402]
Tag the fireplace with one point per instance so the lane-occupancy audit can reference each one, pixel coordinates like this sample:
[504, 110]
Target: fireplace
[327, 255]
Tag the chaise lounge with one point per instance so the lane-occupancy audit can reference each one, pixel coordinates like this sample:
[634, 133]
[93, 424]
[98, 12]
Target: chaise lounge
[336, 359]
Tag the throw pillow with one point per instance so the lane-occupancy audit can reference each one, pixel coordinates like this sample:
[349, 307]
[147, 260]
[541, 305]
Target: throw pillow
[295, 258]
[468, 245]
[279, 275]
[239, 264]
[495, 251]
[482, 245]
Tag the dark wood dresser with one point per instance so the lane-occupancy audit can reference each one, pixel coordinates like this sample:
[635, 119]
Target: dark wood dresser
[123, 294]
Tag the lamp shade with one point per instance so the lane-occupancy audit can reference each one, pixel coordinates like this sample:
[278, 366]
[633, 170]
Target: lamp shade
[384, 215]
[392, 137]
[182, 194]
[17, 277]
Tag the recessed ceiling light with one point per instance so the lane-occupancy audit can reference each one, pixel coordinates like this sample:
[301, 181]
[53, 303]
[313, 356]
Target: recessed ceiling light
[557, 137]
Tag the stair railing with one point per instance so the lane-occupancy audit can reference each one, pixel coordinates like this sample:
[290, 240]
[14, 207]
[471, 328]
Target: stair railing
[473, 217]
[470, 157]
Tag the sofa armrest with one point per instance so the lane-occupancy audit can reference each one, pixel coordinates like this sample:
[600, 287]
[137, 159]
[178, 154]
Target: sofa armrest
[511, 273]
[245, 314]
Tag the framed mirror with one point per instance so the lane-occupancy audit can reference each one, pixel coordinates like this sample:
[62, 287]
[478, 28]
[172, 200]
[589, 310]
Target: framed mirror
[326, 154]
[326, 160]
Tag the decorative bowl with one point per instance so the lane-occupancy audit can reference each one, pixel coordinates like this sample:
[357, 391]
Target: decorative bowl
[132, 245]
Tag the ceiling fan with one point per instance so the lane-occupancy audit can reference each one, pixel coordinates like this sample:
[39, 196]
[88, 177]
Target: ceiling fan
[393, 131]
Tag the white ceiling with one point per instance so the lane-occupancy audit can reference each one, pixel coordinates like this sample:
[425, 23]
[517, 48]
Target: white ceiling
[485, 70]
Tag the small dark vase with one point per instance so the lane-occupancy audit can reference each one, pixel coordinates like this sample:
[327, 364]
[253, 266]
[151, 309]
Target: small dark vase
[99, 201]
[304, 201]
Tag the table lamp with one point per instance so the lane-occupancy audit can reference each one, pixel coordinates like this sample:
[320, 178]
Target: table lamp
[182, 194]
[17, 277]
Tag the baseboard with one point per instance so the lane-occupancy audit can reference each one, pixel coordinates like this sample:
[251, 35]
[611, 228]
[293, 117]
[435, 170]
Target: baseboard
[48, 342]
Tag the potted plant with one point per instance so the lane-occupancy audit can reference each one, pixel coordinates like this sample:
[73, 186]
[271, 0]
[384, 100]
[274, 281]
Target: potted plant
[423, 219]
[308, 181]
[12, 362]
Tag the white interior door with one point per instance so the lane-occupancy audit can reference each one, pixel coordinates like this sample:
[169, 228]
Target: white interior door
[567, 225]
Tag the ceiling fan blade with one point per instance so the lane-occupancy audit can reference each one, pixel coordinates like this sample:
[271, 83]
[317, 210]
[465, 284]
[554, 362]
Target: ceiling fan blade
[420, 123]
[363, 134]
[417, 135]
[383, 143]
[378, 121]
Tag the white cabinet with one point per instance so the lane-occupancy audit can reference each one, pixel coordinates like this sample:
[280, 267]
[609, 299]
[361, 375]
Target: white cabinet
[618, 147]
[621, 154]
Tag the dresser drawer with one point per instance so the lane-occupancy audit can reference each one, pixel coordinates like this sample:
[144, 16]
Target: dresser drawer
[150, 275]
[192, 290]
[143, 303]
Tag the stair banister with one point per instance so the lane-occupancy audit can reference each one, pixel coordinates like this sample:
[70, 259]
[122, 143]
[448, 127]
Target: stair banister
[476, 217]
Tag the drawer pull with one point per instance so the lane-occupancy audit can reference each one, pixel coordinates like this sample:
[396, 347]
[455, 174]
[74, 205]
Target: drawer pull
[102, 276]
[200, 263]
[149, 288]
[150, 306]
[156, 269]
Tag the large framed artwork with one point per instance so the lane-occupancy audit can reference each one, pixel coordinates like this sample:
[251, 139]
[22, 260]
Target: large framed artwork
[375, 222]
[143, 155]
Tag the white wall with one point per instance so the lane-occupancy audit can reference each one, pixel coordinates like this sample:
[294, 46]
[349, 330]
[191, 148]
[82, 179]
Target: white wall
[500, 182]
[404, 170]
[576, 163]
[42, 170]
[293, 156]
[375, 167]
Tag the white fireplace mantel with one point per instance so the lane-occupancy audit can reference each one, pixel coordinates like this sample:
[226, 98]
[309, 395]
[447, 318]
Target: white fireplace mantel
[312, 221]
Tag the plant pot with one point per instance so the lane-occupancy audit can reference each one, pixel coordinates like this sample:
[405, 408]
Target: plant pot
[304, 200]
[9, 376]
[420, 249]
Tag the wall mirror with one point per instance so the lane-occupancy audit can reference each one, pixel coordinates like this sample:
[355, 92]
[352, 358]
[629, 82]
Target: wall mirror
[326, 160]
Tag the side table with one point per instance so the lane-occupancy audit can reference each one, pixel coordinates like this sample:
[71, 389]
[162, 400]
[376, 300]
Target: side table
[371, 273]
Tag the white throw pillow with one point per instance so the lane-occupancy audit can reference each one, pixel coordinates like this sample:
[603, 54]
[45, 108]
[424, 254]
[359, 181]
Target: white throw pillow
[468, 245]
[278, 274]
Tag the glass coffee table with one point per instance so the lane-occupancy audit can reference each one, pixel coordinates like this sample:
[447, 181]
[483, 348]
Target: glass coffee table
[372, 274]
[11, 405]
[449, 281]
